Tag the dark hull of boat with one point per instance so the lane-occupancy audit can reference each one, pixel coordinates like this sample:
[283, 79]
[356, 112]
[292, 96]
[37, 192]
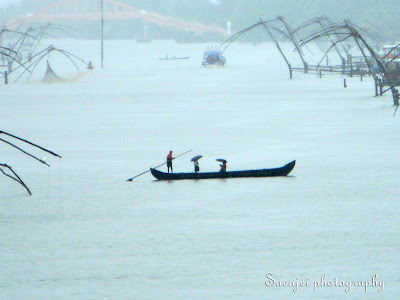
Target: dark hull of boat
[282, 171]
[214, 64]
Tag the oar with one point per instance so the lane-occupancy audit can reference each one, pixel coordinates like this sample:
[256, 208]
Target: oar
[130, 179]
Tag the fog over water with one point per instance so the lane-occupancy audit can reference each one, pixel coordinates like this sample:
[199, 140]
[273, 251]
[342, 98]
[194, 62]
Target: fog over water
[87, 233]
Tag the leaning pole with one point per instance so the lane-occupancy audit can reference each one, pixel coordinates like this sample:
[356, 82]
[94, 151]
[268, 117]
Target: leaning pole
[102, 33]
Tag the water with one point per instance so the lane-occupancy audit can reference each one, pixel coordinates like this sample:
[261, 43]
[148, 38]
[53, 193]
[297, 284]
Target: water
[86, 233]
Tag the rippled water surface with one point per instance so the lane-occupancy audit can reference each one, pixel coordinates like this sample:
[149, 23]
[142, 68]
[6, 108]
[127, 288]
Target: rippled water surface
[87, 233]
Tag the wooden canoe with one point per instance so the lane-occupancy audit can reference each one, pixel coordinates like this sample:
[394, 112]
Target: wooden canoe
[282, 171]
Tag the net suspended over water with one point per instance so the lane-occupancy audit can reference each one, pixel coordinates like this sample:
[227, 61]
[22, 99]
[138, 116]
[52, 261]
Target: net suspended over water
[50, 76]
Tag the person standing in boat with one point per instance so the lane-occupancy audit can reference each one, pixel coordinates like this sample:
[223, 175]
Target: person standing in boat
[169, 161]
[223, 167]
[90, 65]
[196, 166]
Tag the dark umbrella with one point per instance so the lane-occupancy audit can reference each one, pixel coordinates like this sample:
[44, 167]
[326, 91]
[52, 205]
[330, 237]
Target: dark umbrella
[221, 160]
[197, 157]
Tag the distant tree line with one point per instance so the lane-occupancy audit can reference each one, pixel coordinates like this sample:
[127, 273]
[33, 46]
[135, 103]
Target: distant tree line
[382, 16]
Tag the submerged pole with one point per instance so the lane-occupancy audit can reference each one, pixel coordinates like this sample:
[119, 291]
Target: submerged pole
[343, 66]
[102, 32]
[396, 97]
[350, 62]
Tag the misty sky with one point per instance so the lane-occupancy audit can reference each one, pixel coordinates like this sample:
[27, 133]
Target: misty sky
[4, 3]
[7, 2]
[241, 14]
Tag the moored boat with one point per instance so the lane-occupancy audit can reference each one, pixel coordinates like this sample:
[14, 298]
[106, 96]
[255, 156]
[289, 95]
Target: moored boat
[213, 58]
[282, 171]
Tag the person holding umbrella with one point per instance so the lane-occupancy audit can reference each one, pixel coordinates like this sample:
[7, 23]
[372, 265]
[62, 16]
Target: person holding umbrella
[195, 161]
[223, 165]
[196, 166]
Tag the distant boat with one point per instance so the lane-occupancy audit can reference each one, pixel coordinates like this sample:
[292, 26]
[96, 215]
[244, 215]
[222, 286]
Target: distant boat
[282, 171]
[174, 58]
[213, 58]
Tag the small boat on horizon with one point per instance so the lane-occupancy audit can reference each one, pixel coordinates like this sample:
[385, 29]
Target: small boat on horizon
[174, 57]
[282, 171]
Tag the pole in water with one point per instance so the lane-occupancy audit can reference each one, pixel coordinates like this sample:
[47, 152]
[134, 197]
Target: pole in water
[102, 33]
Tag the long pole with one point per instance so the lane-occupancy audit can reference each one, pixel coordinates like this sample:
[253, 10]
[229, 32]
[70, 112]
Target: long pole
[130, 179]
[18, 138]
[102, 33]
[12, 145]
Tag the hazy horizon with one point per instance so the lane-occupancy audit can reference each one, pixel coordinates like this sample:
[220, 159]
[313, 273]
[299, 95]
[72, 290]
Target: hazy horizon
[371, 15]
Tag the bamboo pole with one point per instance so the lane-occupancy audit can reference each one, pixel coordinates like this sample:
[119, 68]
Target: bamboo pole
[17, 179]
